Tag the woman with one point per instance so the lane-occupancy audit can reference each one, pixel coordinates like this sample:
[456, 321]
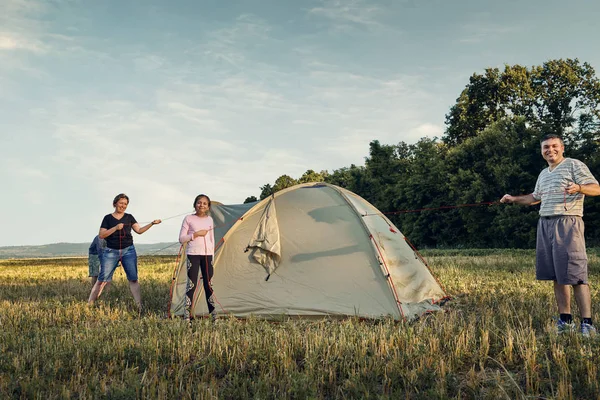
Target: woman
[197, 230]
[116, 230]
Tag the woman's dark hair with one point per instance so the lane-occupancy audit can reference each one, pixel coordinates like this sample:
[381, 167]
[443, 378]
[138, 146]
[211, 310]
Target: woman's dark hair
[199, 197]
[119, 197]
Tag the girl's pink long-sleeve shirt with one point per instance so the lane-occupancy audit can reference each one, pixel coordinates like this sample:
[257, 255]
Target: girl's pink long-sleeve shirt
[202, 245]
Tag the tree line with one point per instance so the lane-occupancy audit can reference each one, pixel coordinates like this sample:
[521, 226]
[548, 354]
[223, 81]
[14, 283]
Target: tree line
[490, 147]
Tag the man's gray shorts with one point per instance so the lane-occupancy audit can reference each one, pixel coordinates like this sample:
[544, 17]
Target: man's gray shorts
[560, 250]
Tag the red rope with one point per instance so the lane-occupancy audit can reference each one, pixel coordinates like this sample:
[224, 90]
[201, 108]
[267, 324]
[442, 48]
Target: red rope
[485, 203]
[121, 236]
[433, 208]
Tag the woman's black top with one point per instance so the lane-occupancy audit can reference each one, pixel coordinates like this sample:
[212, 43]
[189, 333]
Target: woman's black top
[120, 239]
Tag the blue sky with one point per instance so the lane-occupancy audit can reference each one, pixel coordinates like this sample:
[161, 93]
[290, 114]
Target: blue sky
[165, 100]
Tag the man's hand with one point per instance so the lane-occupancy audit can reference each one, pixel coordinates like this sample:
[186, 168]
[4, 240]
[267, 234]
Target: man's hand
[507, 198]
[573, 188]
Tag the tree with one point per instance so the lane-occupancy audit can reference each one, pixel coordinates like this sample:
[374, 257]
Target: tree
[250, 199]
[564, 89]
[478, 105]
[502, 159]
[312, 176]
[422, 184]
[266, 191]
[350, 178]
[560, 96]
[284, 181]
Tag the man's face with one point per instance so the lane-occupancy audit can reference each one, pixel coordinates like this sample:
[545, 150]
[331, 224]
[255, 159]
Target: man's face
[552, 150]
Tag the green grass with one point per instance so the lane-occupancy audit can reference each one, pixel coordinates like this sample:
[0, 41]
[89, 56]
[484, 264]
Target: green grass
[494, 340]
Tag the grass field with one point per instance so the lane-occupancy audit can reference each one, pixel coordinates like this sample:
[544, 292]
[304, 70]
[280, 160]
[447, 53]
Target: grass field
[494, 340]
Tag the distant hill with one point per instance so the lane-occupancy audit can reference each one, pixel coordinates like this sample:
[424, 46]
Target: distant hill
[79, 250]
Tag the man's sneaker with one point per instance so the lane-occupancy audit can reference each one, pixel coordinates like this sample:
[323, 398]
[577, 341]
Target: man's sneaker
[587, 330]
[564, 327]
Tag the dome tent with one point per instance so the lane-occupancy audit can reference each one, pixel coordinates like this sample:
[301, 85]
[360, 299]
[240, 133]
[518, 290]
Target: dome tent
[311, 250]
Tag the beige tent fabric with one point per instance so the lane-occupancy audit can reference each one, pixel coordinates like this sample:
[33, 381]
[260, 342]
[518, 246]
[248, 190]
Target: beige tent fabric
[338, 257]
[411, 279]
[327, 265]
[265, 245]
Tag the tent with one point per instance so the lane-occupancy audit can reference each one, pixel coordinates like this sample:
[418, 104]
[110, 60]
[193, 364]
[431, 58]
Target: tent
[311, 250]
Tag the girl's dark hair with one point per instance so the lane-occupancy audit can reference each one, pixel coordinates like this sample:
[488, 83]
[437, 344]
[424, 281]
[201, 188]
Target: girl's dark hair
[198, 198]
[119, 197]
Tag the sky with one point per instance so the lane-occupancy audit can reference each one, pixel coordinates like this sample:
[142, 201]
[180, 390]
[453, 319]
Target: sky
[165, 100]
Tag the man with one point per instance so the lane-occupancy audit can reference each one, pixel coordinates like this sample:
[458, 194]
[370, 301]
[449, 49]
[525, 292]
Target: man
[560, 244]
[94, 258]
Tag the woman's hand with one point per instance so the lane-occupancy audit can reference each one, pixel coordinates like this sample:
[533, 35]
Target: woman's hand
[118, 227]
[156, 222]
[200, 233]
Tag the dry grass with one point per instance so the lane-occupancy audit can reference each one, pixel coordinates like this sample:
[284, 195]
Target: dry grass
[495, 340]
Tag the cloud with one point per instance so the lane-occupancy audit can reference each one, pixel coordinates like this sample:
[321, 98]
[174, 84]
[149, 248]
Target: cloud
[482, 30]
[148, 62]
[224, 114]
[346, 13]
[23, 183]
[18, 169]
[10, 41]
[31, 26]
[355, 16]
[427, 129]
[302, 122]
[21, 26]
[21, 7]
[201, 117]
[233, 47]
[334, 107]
[119, 143]
[239, 117]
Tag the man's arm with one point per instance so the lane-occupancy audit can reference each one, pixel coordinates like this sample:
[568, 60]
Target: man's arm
[590, 189]
[525, 200]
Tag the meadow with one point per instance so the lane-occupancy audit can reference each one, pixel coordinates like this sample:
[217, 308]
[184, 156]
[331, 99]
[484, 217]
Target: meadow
[495, 339]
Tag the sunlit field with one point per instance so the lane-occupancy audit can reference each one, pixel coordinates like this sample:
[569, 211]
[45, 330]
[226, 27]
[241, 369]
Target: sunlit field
[494, 340]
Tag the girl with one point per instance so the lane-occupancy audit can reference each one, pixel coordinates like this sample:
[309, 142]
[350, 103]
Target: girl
[198, 231]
